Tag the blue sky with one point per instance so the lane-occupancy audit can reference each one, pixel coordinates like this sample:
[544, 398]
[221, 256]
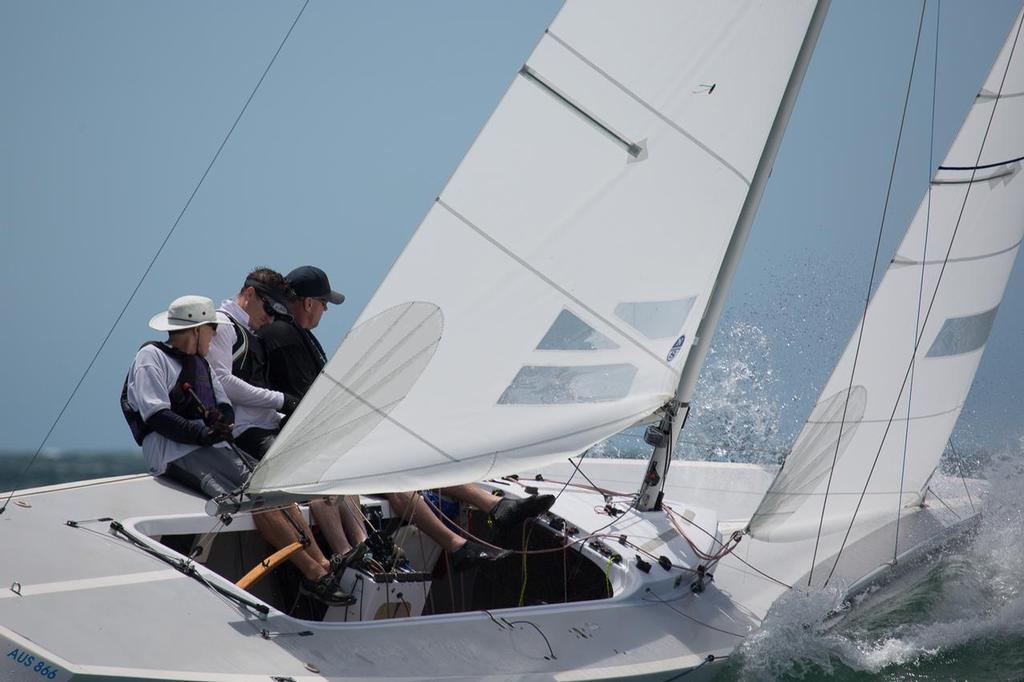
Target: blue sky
[112, 110]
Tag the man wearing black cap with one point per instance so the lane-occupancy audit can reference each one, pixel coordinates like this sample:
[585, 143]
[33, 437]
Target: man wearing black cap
[294, 359]
[295, 356]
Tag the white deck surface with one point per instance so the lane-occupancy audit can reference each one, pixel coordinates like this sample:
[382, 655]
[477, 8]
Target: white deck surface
[93, 604]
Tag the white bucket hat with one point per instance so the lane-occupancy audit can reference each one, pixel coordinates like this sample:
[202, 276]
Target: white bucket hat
[187, 312]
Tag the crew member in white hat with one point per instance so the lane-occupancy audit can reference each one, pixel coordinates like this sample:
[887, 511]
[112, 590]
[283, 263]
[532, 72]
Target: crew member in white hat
[178, 412]
[177, 403]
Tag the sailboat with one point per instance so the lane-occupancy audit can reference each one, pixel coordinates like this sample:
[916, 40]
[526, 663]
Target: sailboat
[563, 287]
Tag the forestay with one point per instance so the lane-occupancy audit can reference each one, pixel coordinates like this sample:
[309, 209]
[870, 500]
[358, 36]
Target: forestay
[550, 296]
[888, 418]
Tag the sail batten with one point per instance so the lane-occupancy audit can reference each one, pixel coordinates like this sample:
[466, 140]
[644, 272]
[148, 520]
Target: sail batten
[565, 268]
[639, 100]
[551, 283]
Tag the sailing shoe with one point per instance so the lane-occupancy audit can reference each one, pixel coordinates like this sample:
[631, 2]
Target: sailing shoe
[326, 590]
[351, 558]
[473, 553]
[509, 512]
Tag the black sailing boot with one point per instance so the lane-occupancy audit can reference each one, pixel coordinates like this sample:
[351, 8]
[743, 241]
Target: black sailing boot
[509, 512]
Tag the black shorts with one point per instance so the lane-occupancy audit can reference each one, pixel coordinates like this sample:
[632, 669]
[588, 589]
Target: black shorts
[211, 471]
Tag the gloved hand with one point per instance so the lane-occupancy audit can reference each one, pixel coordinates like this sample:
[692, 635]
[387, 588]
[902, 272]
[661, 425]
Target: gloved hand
[210, 436]
[224, 429]
[212, 417]
[289, 404]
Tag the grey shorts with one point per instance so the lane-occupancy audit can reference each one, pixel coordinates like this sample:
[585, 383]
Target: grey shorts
[211, 471]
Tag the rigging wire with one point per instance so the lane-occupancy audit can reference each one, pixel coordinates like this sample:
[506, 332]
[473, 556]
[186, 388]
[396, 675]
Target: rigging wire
[733, 554]
[960, 468]
[867, 298]
[186, 565]
[686, 615]
[935, 293]
[710, 658]
[152, 261]
[920, 288]
[944, 504]
[598, 534]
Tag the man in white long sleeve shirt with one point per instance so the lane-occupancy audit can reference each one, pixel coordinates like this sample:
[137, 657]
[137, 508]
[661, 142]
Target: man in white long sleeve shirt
[238, 360]
[179, 413]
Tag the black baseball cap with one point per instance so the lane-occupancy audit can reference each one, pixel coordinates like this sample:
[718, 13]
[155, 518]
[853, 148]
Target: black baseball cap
[312, 282]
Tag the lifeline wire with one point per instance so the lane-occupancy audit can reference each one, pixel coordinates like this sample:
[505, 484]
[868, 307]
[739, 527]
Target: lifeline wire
[867, 298]
[935, 294]
[152, 262]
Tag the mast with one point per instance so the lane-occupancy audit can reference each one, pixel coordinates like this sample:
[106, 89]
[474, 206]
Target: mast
[664, 435]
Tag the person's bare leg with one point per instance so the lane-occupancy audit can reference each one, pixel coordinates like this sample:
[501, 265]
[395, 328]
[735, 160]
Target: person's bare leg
[326, 514]
[503, 512]
[412, 507]
[352, 518]
[312, 549]
[277, 530]
[472, 494]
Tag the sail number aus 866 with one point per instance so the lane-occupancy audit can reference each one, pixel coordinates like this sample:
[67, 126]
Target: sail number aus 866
[38, 665]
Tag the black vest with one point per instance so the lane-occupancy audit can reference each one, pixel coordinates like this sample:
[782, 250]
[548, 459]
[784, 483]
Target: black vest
[249, 356]
[195, 373]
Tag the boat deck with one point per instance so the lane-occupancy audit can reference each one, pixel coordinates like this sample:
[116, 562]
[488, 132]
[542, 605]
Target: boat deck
[87, 603]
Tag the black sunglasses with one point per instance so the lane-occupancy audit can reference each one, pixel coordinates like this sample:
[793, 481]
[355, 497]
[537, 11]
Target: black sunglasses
[271, 305]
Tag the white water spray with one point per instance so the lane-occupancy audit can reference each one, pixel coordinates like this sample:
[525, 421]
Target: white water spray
[970, 593]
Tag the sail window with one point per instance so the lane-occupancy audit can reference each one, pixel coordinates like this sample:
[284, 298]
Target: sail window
[547, 385]
[656, 319]
[963, 334]
[822, 442]
[569, 332]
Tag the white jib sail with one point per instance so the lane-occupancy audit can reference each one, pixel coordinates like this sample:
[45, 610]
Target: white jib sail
[891, 421]
[550, 296]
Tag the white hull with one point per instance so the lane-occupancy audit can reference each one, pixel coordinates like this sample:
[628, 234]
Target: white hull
[93, 606]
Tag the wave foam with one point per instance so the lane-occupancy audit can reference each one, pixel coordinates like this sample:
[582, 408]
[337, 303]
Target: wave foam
[970, 593]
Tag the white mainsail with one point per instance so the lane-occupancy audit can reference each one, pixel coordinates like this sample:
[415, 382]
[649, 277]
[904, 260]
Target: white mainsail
[892, 401]
[550, 296]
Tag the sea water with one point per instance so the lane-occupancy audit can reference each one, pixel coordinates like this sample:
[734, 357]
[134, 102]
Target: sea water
[957, 614]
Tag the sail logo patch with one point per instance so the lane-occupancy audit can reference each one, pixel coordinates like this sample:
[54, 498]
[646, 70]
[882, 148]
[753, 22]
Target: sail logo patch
[676, 347]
